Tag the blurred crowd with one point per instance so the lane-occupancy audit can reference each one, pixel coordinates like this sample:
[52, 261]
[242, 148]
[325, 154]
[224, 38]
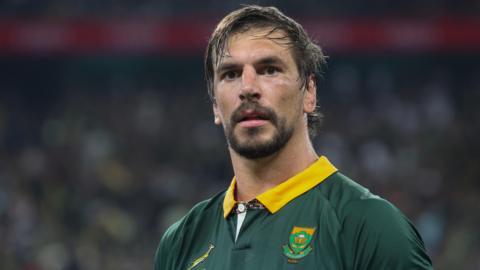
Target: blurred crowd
[96, 162]
[161, 9]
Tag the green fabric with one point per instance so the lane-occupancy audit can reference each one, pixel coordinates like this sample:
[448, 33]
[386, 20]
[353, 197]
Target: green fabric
[353, 229]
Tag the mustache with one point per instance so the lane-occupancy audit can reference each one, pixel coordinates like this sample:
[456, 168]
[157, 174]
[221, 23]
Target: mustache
[260, 112]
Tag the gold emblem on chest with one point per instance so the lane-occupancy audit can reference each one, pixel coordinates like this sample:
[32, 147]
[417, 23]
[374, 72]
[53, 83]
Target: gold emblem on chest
[201, 258]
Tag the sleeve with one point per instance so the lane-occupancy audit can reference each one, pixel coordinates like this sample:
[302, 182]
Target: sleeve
[167, 249]
[378, 236]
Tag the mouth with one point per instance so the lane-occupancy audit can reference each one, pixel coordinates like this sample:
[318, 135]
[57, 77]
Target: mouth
[251, 115]
[252, 119]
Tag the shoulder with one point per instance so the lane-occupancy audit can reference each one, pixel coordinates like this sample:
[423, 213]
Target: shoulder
[379, 221]
[376, 235]
[343, 194]
[351, 200]
[170, 244]
[198, 212]
[357, 206]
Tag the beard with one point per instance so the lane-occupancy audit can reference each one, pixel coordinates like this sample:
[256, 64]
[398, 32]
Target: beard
[252, 148]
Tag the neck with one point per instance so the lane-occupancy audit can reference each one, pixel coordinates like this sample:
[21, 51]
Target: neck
[255, 176]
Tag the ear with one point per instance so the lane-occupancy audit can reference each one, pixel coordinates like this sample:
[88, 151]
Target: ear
[310, 95]
[216, 114]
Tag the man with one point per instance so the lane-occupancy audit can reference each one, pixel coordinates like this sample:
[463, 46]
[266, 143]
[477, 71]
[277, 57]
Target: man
[286, 207]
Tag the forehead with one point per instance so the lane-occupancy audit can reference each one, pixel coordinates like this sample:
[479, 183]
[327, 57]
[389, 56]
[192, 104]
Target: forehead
[256, 42]
[261, 33]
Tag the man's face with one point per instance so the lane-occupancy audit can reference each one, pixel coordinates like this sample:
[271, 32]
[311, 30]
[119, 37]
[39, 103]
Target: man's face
[258, 94]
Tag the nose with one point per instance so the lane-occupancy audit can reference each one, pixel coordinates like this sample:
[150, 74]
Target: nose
[249, 88]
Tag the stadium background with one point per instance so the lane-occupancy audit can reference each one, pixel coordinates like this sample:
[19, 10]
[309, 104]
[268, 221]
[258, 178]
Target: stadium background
[107, 136]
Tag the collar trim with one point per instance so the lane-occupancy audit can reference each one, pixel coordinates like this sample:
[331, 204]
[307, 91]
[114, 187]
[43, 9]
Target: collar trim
[276, 198]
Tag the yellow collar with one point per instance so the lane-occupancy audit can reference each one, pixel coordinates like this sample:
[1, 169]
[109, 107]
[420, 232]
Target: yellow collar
[274, 199]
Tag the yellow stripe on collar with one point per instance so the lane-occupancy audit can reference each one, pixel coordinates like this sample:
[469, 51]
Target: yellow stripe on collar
[274, 199]
[229, 200]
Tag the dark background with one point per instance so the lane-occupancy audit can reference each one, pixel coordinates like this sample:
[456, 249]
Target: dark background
[107, 137]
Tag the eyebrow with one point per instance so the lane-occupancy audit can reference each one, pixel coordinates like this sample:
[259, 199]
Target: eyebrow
[267, 60]
[270, 60]
[222, 67]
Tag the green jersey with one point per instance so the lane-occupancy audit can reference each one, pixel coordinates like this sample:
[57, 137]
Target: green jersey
[318, 219]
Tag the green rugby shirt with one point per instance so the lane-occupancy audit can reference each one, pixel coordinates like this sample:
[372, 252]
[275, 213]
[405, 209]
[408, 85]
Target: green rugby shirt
[318, 219]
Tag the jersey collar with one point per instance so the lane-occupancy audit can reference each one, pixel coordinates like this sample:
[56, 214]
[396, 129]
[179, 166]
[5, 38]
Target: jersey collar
[274, 199]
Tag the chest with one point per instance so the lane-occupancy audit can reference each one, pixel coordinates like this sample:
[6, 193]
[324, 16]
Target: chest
[295, 239]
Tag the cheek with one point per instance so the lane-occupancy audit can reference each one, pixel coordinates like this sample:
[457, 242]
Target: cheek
[291, 99]
[224, 110]
[224, 99]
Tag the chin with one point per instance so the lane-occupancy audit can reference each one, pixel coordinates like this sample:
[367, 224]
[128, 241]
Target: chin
[260, 146]
[259, 142]
[254, 137]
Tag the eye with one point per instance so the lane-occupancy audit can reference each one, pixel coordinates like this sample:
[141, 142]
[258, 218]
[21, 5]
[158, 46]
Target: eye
[270, 70]
[230, 75]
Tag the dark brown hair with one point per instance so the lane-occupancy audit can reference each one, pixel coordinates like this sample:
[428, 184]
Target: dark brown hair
[307, 55]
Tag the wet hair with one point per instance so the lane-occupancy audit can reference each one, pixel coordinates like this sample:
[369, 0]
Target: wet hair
[308, 56]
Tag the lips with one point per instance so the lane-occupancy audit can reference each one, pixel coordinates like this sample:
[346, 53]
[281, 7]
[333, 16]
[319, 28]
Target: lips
[250, 115]
[252, 119]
